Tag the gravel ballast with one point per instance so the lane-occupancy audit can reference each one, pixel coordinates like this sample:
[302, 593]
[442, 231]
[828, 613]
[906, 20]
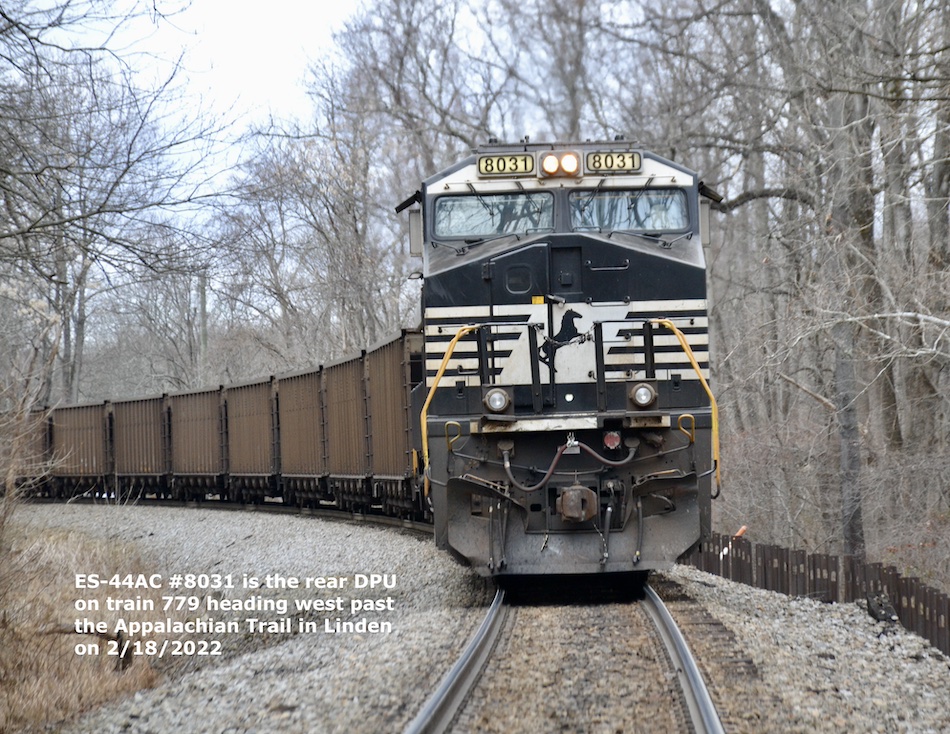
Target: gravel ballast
[316, 682]
[822, 668]
[825, 667]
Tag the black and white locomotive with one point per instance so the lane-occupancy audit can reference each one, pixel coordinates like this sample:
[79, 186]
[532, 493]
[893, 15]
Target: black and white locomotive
[568, 426]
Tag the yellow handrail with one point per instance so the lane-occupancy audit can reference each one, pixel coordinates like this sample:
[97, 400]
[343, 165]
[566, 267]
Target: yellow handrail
[424, 427]
[712, 400]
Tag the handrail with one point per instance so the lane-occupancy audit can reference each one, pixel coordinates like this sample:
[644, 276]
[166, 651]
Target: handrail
[712, 400]
[464, 330]
[423, 418]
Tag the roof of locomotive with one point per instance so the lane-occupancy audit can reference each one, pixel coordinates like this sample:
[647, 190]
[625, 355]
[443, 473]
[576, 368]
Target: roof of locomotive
[653, 169]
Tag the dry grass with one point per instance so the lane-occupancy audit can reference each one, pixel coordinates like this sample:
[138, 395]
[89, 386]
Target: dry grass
[42, 678]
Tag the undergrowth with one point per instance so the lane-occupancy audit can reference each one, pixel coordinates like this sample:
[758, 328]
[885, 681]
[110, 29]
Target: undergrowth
[42, 677]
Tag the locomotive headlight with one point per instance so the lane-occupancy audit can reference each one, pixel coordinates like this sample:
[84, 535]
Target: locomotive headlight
[643, 395]
[560, 164]
[550, 164]
[570, 163]
[497, 400]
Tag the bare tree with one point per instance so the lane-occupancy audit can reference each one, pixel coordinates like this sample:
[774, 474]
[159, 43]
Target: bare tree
[311, 261]
[825, 125]
[93, 168]
[439, 87]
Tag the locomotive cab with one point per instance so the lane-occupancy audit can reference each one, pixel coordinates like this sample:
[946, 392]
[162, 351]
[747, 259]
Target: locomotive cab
[567, 425]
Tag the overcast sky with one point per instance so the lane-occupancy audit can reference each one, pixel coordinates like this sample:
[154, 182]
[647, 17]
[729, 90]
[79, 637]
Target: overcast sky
[250, 53]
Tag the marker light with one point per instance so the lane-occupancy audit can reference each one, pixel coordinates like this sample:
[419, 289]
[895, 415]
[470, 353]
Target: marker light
[612, 440]
[643, 395]
[497, 400]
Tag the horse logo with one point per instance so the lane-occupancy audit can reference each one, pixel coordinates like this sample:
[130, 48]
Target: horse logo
[564, 336]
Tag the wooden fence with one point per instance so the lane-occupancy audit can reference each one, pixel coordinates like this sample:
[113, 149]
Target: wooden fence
[920, 608]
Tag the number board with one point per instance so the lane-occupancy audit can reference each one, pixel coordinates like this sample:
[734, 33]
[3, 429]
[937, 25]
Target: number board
[612, 162]
[517, 164]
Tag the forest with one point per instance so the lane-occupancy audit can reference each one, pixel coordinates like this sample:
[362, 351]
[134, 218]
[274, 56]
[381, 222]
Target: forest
[148, 246]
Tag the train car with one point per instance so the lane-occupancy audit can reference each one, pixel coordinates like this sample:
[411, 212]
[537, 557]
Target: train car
[303, 464]
[393, 369]
[138, 433]
[198, 441]
[347, 433]
[568, 427]
[31, 451]
[80, 450]
[252, 440]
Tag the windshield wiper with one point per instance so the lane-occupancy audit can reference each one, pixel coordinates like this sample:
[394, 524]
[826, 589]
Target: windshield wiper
[582, 207]
[481, 200]
[491, 238]
[458, 250]
[471, 242]
[664, 243]
[633, 202]
[517, 235]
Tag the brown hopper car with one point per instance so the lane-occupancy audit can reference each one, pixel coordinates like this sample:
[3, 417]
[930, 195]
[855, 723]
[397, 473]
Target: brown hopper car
[302, 439]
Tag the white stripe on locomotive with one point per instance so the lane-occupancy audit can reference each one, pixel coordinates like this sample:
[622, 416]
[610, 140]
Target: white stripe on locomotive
[622, 336]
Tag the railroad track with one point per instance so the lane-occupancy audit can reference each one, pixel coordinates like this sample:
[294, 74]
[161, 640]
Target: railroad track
[702, 710]
[443, 706]
[447, 704]
[465, 703]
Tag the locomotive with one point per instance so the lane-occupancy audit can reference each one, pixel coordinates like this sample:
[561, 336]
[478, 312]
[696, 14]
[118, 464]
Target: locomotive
[552, 416]
[568, 426]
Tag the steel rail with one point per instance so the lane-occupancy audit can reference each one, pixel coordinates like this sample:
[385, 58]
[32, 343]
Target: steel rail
[701, 708]
[445, 703]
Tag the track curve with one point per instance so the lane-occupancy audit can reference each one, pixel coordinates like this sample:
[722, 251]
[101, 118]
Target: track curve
[699, 703]
[442, 707]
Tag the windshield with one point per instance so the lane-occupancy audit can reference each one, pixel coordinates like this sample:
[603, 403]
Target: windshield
[487, 215]
[642, 210]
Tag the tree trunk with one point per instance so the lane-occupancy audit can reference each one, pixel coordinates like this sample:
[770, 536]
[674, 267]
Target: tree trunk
[849, 440]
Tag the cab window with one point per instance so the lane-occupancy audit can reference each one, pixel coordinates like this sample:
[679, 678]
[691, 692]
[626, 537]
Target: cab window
[486, 215]
[638, 210]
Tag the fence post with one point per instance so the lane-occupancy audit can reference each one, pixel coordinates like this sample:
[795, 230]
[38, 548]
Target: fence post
[853, 573]
[834, 573]
[776, 568]
[742, 560]
[872, 578]
[714, 559]
[941, 613]
[923, 594]
[931, 615]
[823, 578]
[907, 609]
[784, 557]
[799, 573]
[889, 583]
